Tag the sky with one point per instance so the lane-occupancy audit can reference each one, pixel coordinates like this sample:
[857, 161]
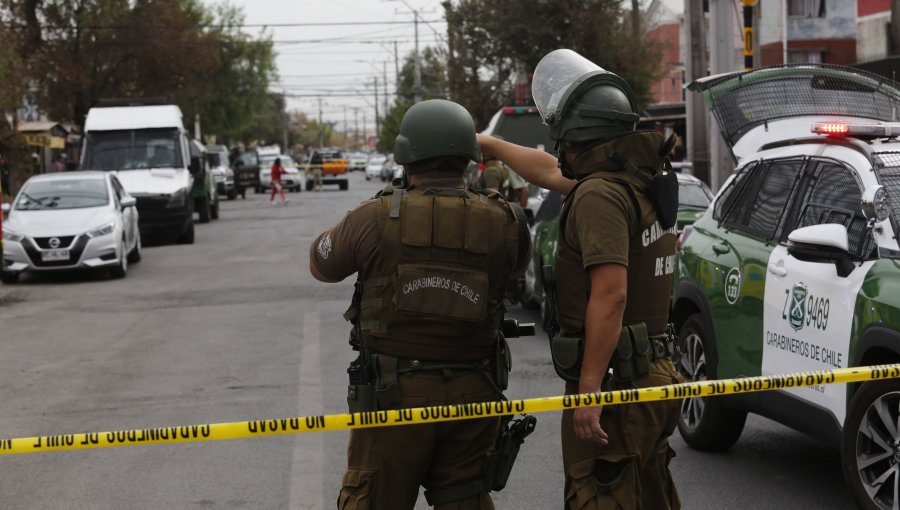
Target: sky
[349, 58]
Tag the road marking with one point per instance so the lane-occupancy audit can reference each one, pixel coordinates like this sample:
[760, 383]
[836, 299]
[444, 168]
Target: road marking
[307, 480]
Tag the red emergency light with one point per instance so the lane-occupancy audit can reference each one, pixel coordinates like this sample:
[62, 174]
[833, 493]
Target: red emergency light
[857, 129]
[830, 128]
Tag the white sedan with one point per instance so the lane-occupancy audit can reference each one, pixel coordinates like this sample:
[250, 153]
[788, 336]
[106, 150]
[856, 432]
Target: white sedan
[373, 167]
[72, 220]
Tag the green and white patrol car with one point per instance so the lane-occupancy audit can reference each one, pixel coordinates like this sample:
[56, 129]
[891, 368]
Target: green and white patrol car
[796, 265]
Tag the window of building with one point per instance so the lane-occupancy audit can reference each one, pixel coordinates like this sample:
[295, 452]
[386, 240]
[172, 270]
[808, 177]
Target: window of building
[806, 8]
[805, 56]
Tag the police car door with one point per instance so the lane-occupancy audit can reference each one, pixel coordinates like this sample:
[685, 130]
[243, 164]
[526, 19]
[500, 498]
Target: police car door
[808, 307]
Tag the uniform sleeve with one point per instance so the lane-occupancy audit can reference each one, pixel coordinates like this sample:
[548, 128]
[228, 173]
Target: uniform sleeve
[344, 248]
[491, 179]
[601, 217]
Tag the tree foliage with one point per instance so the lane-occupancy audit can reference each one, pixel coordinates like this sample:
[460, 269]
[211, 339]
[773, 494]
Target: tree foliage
[487, 39]
[434, 85]
[76, 53]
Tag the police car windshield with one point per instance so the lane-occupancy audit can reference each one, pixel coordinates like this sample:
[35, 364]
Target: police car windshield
[693, 196]
[135, 149]
[63, 194]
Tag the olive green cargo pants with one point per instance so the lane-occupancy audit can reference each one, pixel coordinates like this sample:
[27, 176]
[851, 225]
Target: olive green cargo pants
[387, 465]
[632, 471]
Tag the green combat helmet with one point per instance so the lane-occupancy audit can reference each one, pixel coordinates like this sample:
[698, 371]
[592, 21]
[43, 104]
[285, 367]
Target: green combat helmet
[433, 128]
[579, 100]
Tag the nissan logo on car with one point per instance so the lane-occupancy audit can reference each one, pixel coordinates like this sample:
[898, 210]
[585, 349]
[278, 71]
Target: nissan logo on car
[54, 242]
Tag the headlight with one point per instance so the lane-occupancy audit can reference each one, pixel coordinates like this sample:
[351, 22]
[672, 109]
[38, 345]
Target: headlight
[105, 230]
[178, 199]
[9, 235]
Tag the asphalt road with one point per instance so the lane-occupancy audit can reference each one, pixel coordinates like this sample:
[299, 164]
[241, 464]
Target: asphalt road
[234, 328]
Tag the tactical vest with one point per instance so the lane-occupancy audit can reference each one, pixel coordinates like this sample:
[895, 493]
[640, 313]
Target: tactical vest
[651, 250]
[436, 290]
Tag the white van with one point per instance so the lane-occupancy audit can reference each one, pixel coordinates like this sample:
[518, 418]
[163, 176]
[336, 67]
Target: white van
[148, 149]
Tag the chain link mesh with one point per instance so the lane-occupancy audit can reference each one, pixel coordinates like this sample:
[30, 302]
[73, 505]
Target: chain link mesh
[751, 99]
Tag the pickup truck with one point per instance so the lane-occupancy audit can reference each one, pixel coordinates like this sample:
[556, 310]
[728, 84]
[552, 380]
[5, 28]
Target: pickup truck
[334, 168]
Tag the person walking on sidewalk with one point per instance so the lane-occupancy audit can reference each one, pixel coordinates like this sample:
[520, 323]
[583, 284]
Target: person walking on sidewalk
[277, 171]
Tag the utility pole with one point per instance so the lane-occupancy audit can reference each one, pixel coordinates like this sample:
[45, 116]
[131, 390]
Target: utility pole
[365, 134]
[320, 137]
[384, 75]
[418, 82]
[397, 62]
[284, 123]
[723, 59]
[346, 130]
[694, 35]
[418, 64]
[377, 123]
[356, 126]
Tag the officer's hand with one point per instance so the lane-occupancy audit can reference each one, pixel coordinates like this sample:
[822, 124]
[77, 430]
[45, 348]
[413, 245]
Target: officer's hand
[587, 425]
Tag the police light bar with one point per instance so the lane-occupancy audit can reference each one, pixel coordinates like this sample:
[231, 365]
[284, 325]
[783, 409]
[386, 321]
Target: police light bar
[519, 110]
[857, 129]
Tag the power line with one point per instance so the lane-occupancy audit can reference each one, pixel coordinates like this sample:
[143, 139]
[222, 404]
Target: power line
[237, 25]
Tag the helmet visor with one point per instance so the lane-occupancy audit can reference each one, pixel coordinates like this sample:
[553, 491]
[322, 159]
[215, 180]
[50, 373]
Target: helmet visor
[553, 76]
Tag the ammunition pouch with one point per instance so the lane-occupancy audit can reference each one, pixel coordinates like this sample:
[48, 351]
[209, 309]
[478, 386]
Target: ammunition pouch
[631, 360]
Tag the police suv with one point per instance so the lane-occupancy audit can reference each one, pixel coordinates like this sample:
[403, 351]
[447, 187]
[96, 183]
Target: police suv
[796, 265]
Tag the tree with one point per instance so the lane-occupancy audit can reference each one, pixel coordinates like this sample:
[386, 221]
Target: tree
[487, 39]
[434, 85]
[78, 52]
[240, 88]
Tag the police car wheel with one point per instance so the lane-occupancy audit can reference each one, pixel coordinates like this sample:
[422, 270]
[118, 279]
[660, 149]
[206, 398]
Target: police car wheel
[704, 423]
[870, 446]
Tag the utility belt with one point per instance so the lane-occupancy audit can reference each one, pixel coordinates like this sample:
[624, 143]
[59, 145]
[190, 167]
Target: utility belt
[374, 386]
[631, 360]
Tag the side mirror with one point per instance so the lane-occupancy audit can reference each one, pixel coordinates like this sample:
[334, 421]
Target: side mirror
[196, 166]
[128, 202]
[828, 242]
[6, 208]
[875, 204]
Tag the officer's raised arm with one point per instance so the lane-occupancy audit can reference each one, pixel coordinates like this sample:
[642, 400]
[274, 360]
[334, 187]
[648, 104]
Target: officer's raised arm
[534, 165]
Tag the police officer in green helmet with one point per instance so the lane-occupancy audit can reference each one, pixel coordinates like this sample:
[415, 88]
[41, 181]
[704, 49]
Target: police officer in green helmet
[615, 262]
[433, 261]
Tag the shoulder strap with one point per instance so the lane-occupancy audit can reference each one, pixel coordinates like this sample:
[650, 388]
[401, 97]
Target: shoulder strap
[522, 224]
[567, 205]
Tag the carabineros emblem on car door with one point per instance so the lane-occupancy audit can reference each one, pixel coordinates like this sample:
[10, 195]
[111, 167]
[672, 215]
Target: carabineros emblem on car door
[797, 314]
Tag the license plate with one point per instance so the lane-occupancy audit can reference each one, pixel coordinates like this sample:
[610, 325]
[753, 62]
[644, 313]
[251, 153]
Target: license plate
[54, 255]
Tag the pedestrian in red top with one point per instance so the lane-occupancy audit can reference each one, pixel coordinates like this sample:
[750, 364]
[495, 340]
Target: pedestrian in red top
[277, 171]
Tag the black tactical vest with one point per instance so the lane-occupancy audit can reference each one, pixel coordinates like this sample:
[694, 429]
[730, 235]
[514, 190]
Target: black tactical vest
[436, 291]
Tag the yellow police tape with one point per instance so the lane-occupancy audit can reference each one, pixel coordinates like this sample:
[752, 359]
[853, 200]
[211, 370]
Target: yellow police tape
[299, 425]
